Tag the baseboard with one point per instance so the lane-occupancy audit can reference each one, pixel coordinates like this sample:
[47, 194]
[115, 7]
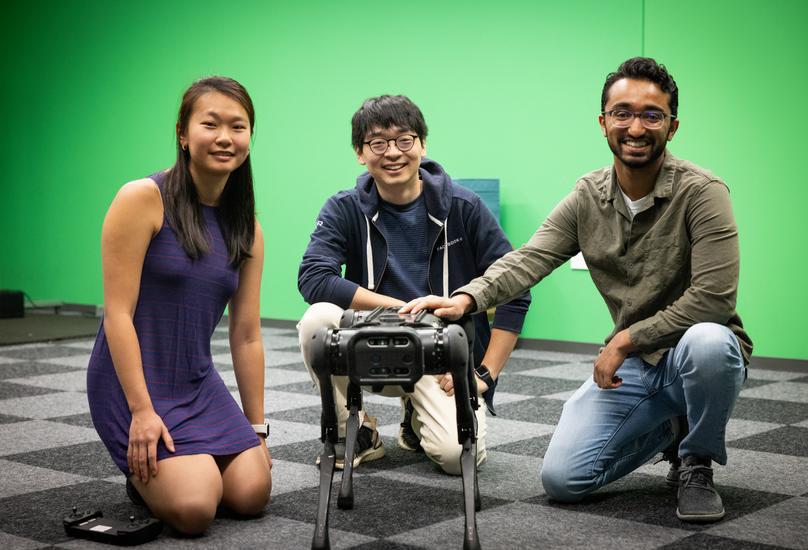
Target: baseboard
[55, 307]
[541, 344]
[279, 323]
[778, 363]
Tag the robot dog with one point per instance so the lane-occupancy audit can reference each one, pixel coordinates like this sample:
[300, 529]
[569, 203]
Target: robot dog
[384, 348]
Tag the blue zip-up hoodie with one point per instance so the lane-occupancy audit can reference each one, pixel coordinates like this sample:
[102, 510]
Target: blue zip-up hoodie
[347, 234]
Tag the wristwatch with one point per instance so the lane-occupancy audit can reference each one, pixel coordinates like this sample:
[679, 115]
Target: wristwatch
[485, 375]
[262, 429]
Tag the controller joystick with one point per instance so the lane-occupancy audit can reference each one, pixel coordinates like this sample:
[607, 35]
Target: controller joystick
[80, 516]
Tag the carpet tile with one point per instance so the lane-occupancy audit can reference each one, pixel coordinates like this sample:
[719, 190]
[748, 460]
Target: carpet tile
[51, 459]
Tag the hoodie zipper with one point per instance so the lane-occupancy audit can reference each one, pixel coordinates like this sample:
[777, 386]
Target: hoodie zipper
[384, 266]
[431, 252]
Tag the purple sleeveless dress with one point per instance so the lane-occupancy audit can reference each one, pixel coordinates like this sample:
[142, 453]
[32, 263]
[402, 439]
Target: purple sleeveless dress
[180, 303]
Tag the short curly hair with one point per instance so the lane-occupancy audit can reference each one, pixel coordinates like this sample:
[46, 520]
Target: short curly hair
[643, 68]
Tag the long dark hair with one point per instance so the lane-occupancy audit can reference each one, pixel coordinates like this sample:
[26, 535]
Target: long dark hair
[236, 212]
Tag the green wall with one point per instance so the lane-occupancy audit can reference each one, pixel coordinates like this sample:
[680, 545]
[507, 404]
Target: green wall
[509, 89]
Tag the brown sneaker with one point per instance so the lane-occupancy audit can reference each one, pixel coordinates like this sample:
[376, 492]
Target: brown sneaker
[407, 438]
[368, 445]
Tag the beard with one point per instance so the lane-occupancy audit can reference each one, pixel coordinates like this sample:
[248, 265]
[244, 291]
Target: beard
[631, 161]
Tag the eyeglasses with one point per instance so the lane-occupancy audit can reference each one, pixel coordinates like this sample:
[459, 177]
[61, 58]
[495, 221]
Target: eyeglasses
[380, 145]
[652, 120]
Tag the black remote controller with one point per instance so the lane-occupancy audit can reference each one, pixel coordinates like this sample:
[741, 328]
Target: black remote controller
[92, 525]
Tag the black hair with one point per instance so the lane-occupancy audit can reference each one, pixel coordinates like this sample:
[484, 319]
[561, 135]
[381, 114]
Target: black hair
[383, 112]
[643, 68]
[236, 212]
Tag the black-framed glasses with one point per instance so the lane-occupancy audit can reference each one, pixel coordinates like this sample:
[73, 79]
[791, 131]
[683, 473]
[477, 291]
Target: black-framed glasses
[652, 119]
[403, 143]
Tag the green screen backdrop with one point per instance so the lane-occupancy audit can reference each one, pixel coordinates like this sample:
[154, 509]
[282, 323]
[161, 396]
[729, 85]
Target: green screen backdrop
[510, 90]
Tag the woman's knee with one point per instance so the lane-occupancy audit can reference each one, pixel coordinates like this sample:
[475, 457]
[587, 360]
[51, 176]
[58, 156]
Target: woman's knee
[250, 499]
[190, 514]
[247, 482]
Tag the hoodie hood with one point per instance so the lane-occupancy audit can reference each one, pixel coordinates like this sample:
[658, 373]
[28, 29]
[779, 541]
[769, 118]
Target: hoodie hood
[437, 191]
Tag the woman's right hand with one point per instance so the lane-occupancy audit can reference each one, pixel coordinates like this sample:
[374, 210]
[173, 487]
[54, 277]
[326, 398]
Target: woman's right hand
[145, 431]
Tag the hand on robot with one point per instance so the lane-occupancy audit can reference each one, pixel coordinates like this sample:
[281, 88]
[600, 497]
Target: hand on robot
[449, 308]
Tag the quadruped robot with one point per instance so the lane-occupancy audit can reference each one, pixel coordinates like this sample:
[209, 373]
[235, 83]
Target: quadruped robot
[384, 348]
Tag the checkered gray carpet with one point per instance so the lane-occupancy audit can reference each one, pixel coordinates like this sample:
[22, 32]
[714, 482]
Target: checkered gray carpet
[51, 459]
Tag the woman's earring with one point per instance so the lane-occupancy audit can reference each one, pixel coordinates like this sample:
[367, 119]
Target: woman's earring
[184, 147]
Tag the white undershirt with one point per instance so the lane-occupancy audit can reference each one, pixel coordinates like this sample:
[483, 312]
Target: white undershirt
[635, 207]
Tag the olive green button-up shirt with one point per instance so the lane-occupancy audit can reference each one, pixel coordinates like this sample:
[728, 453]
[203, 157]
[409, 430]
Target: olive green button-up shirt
[672, 266]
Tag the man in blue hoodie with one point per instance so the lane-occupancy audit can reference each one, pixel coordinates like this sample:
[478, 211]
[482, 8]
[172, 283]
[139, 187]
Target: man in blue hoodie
[404, 231]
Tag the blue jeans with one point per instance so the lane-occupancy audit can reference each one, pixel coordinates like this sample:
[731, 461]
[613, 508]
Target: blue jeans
[605, 434]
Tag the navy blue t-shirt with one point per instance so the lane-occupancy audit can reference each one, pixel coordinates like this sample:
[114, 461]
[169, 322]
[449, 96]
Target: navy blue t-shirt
[405, 228]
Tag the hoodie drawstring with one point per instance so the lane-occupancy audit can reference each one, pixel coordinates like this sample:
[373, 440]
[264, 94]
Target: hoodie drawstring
[444, 224]
[369, 249]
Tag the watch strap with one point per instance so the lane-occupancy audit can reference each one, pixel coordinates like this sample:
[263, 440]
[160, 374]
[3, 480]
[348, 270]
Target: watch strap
[261, 429]
[485, 375]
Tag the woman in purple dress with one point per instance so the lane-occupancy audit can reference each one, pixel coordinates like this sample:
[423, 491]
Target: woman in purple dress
[177, 248]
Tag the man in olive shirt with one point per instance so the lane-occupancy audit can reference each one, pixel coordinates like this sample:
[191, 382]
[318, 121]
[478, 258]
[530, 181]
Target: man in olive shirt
[660, 241]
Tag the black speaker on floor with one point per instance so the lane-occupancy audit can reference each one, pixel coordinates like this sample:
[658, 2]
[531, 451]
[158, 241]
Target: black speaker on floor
[12, 304]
